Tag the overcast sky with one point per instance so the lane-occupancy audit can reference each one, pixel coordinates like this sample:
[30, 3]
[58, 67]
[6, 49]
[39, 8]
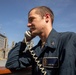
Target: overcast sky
[13, 16]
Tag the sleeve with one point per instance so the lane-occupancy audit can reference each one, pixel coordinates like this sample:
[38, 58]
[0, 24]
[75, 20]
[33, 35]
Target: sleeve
[17, 58]
[68, 58]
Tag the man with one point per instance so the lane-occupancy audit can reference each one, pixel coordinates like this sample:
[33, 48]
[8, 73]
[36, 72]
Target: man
[55, 52]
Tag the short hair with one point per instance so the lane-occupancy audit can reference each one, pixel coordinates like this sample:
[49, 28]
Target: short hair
[42, 10]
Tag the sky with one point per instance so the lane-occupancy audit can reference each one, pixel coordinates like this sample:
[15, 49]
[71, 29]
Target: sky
[14, 16]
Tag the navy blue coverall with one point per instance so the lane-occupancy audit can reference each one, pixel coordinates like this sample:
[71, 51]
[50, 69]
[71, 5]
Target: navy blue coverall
[59, 52]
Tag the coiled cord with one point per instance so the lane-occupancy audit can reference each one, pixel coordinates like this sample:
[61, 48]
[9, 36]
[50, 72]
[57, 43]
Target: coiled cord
[29, 47]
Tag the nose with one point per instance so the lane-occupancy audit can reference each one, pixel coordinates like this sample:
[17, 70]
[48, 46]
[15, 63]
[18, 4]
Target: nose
[29, 24]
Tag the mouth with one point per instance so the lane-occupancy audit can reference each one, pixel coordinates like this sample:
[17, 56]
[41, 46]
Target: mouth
[32, 29]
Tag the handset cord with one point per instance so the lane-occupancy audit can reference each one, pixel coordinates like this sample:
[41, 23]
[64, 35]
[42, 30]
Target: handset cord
[29, 47]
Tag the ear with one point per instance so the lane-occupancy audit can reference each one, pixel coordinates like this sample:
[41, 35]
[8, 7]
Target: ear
[47, 16]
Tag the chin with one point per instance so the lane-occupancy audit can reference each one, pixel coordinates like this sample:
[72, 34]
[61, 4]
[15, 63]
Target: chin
[34, 33]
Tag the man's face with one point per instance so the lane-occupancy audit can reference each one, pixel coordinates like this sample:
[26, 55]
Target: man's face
[36, 23]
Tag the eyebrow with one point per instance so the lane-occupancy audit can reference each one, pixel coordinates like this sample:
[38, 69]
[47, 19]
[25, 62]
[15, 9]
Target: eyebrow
[31, 17]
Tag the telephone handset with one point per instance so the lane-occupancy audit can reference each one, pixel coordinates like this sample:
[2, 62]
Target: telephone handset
[28, 35]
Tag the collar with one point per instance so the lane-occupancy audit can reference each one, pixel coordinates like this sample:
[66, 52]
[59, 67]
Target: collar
[52, 39]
